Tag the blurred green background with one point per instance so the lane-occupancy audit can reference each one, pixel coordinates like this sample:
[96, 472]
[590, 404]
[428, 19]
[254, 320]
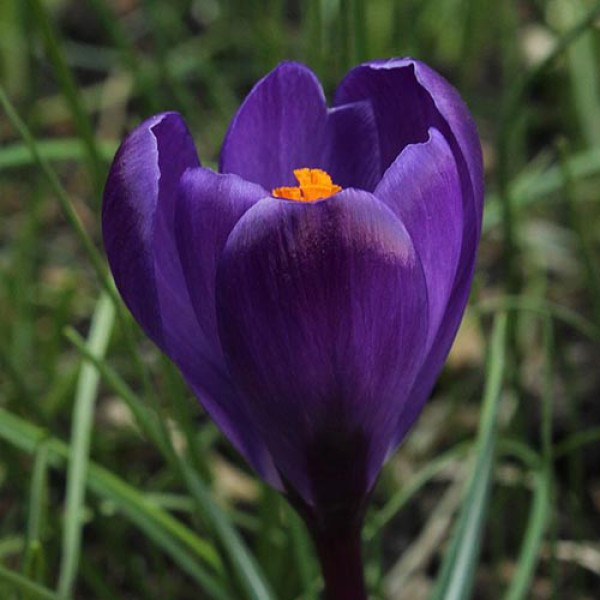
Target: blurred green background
[114, 485]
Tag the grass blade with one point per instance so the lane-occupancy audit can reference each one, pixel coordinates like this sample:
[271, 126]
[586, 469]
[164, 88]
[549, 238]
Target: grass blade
[543, 487]
[75, 222]
[63, 198]
[243, 562]
[38, 496]
[580, 227]
[70, 92]
[65, 149]
[546, 308]
[457, 571]
[187, 549]
[314, 34]
[22, 584]
[302, 550]
[583, 61]
[397, 502]
[127, 50]
[146, 420]
[536, 184]
[83, 415]
[538, 521]
[359, 27]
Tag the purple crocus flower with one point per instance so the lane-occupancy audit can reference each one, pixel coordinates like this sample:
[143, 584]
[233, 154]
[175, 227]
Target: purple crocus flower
[310, 318]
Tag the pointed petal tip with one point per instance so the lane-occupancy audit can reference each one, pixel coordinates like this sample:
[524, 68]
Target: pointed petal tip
[278, 128]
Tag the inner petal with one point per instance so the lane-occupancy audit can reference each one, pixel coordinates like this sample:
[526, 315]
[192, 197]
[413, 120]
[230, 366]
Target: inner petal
[404, 111]
[282, 124]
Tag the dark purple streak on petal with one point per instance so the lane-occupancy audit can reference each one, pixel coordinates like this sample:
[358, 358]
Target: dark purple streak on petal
[339, 290]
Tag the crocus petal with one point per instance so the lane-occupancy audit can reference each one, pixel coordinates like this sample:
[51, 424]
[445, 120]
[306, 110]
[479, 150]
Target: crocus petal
[279, 127]
[408, 98]
[422, 187]
[209, 206]
[461, 135]
[322, 314]
[138, 228]
[135, 184]
[284, 124]
[351, 153]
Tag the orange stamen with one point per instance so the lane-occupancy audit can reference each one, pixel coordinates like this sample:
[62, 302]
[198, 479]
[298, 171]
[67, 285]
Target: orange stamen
[314, 184]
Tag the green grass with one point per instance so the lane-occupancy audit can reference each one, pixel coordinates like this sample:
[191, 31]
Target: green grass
[114, 484]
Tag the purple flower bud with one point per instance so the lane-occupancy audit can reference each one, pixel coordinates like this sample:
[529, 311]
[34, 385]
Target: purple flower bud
[311, 318]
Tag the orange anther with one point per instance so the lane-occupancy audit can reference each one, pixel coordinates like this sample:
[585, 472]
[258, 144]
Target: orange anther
[314, 184]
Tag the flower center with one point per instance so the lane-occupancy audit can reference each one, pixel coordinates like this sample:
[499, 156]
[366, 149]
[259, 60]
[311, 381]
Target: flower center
[314, 184]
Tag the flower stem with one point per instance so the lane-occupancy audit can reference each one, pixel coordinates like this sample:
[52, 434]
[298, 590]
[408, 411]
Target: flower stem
[341, 562]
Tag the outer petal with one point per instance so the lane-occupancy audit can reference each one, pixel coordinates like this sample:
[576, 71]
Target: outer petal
[129, 213]
[322, 313]
[138, 229]
[279, 128]
[408, 98]
[422, 187]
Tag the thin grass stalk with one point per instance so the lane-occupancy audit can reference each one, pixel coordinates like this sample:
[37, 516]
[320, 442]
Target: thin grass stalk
[558, 312]
[244, 565]
[192, 553]
[345, 32]
[17, 154]
[540, 512]
[537, 184]
[303, 558]
[456, 576]
[418, 480]
[582, 62]
[19, 583]
[511, 105]
[146, 421]
[33, 559]
[579, 225]
[314, 34]
[111, 24]
[74, 221]
[83, 415]
[69, 89]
